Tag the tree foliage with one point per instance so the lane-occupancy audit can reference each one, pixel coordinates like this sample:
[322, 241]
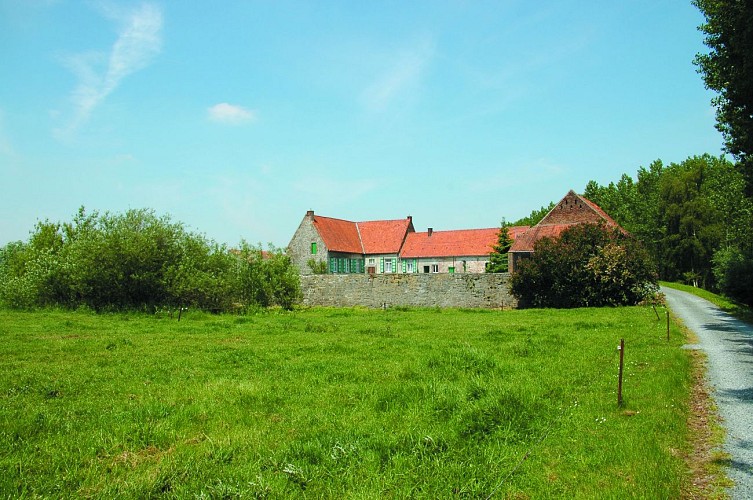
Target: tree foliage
[588, 265]
[686, 214]
[498, 258]
[138, 260]
[728, 70]
[535, 216]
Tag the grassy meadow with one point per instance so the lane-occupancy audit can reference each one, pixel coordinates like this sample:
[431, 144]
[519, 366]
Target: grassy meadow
[342, 403]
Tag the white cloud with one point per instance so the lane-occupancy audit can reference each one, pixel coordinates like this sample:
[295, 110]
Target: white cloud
[402, 75]
[230, 114]
[139, 40]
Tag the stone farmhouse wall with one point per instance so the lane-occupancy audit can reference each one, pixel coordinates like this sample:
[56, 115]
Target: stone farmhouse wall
[299, 248]
[488, 291]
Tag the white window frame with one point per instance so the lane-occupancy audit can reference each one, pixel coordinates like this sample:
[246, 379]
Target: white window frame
[388, 266]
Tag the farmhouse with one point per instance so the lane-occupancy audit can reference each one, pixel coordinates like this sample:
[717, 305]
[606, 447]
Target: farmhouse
[337, 246]
[388, 247]
[572, 209]
[348, 247]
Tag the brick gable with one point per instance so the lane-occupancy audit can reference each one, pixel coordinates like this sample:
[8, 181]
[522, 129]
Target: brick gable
[572, 209]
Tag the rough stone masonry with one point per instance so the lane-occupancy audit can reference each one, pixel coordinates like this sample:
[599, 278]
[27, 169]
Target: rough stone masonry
[488, 291]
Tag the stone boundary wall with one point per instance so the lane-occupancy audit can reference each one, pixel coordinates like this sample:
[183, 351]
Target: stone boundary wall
[487, 291]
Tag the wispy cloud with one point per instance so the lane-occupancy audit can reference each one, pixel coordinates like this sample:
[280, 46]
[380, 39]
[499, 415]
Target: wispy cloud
[230, 114]
[402, 75]
[139, 40]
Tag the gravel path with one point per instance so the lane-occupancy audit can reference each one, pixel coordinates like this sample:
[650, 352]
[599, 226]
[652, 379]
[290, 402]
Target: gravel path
[728, 343]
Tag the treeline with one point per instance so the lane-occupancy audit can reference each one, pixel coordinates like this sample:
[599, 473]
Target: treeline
[693, 217]
[139, 261]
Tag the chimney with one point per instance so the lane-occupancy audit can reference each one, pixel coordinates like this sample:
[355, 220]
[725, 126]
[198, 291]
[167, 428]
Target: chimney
[410, 218]
[310, 214]
[431, 230]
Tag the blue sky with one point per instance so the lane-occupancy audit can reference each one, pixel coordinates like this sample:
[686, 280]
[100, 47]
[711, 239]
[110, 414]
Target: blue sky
[237, 117]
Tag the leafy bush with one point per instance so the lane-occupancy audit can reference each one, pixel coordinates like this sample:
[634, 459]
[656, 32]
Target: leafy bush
[588, 265]
[138, 261]
[317, 266]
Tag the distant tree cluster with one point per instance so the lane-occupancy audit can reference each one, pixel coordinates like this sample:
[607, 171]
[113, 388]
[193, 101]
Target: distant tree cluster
[139, 261]
[694, 218]
[588, 265]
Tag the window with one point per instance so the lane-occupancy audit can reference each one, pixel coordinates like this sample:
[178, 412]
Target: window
[387, 265]
[371, 261]
[451, 270]
[435, 268]
[426, 269]
[313, 248]
[409, 268]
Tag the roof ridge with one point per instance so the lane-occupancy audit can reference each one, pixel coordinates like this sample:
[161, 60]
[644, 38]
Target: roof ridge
[333, 218]
[360, 238]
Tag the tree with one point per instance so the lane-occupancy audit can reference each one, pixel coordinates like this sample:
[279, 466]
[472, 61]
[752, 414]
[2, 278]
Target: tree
[498, 258]
[692, 225]
[728, 70]
[535, 216]
[588, 265]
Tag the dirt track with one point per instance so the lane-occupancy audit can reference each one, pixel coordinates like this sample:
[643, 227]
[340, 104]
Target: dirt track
[728, 344]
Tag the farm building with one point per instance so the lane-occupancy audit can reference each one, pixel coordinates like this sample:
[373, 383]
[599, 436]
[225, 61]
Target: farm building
[388, 246]
[572, 209]
[348, 247]
[326, 244]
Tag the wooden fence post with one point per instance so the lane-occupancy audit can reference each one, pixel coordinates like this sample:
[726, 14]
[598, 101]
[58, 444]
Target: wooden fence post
[619, 381]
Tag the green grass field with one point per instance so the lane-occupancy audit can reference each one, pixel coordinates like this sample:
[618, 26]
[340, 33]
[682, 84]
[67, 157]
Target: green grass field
[342, 403]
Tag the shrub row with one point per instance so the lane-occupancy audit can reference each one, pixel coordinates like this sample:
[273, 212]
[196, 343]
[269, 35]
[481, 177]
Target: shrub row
[139, 261]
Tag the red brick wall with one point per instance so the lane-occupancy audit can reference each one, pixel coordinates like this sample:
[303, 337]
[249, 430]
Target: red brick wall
[571, 210]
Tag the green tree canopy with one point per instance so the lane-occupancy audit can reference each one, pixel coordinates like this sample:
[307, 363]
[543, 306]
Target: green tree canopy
[728, 70]
[686, 214]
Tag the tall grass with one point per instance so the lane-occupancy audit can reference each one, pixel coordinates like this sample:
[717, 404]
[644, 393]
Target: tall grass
[342, 403]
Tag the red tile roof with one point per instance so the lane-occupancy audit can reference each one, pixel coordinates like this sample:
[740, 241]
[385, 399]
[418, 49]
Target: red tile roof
[339, 235]
[369, 237]
[458, 243]
[384, 236]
